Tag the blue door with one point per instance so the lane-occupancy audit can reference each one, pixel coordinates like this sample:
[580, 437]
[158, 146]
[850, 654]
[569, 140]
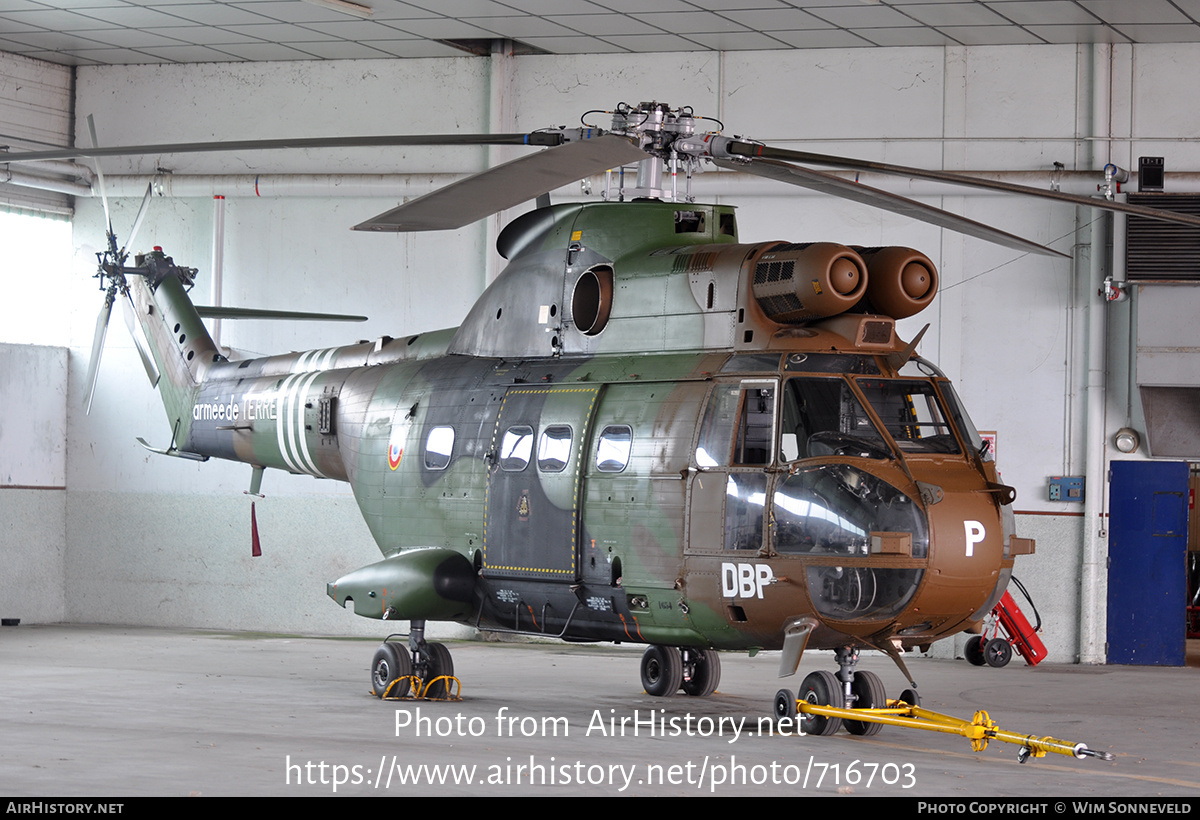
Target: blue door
[1147, 562]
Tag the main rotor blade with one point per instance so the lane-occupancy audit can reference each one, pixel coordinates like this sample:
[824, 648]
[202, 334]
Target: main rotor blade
[865, 194]
[383, 141]
[754, 150]
[97, 351]
[504, 186]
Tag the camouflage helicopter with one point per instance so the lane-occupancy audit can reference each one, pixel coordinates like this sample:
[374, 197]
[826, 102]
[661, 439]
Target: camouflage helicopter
[644, 430]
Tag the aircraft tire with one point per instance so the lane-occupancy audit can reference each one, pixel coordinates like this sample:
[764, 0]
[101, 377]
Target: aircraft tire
[438, 663]
[821, 689]
[706, 673]
[662, 671]
[390, 662]
[785, 705]
[973, 651]
[910, 697]
[871, 695]
[997, 652]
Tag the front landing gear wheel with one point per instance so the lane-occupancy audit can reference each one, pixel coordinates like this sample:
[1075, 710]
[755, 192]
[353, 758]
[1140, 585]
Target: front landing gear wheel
[437, 663]
[997, 652]
[821, 689]
[868, 689]
[785, 705]
[662, 671]
[389, 664]
[701, 672]
[973, 651]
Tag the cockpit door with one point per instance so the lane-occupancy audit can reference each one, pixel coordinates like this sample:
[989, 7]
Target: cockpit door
[734, 448]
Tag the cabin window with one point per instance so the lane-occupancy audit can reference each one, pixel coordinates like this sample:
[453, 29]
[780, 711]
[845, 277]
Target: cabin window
[554, 448]
[515, 448]
[439, 444]
[612, 453]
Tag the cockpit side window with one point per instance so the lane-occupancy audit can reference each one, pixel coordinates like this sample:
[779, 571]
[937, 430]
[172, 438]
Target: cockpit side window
[738, 427]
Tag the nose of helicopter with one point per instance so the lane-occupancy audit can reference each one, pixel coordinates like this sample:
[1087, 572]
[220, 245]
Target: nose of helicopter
[966, 547]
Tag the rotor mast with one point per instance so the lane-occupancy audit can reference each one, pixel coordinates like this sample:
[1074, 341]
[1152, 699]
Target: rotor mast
[658, 129]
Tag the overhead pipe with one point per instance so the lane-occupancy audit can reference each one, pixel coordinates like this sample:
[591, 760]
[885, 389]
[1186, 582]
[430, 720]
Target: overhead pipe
[218, 263]
[25, 179]
[709, 184]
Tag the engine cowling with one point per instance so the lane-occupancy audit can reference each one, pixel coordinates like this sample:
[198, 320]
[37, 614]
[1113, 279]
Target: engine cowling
[901, 281]
[799, 282]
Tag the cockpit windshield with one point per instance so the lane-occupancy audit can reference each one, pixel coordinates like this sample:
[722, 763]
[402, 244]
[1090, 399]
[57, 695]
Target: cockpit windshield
[912, 414]
[823, 417]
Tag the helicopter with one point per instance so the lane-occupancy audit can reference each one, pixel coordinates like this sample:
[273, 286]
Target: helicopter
[643, 431]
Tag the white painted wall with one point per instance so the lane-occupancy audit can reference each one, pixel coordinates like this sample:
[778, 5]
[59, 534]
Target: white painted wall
[1008, 328]
[33, 449]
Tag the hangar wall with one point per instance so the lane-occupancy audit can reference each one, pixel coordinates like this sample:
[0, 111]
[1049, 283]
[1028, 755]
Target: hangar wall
[33, 497]
[1010, 329]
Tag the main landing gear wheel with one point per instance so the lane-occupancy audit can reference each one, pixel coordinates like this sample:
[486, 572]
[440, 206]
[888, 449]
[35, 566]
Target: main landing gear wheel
[821, 689]
[701, 671]
[868, 689]
[662, 671]
[390, 663]
[437, 663]
[973, 651]
[997, 652]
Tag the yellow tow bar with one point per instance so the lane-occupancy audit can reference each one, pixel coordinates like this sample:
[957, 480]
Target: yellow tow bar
[978, 730]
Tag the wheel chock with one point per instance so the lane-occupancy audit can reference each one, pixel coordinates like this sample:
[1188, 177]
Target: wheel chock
[419, 690]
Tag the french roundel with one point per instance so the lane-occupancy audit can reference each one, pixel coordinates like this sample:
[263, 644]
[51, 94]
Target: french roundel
[395, 452]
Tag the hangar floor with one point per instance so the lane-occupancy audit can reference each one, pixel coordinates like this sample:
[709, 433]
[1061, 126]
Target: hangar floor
[117, 711]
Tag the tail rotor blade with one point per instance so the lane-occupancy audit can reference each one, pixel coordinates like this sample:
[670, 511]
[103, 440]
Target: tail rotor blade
[97, 351]
[100, 182]
[139, 339]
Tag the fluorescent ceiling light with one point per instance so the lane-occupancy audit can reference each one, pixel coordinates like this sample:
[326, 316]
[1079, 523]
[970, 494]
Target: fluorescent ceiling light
[345, 7]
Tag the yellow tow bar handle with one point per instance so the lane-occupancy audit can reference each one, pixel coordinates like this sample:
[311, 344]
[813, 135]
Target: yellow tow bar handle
[979, 730]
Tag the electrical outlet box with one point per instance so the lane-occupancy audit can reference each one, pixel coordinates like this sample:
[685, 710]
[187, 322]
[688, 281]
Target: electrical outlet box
[1066, 488]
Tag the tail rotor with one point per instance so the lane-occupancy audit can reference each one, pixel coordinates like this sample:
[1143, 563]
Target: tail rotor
[111, 272]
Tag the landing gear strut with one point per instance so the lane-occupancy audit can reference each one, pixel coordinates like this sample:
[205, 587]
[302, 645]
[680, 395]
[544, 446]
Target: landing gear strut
[845, 690]
[425, 670]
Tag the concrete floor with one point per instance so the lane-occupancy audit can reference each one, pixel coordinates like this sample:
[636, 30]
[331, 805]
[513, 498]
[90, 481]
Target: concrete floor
[116, 711]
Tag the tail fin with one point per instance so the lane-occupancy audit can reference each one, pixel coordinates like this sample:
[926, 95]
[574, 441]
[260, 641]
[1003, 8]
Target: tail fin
[175, 335]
